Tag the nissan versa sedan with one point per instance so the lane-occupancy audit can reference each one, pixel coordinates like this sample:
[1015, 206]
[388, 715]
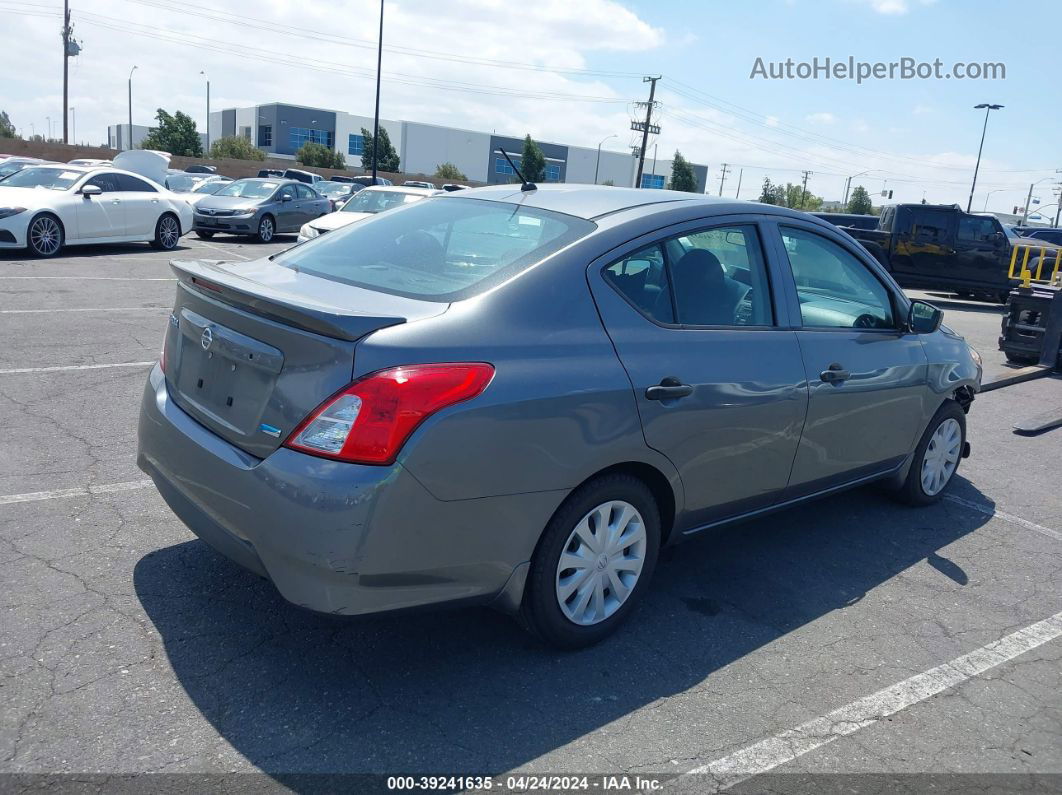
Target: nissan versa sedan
[518, 397]
[259, 208]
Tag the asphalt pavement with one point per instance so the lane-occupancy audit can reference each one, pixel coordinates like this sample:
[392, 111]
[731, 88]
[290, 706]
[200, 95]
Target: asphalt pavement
[852, 635]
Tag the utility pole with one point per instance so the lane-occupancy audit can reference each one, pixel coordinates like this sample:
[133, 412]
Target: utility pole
[804, 189]
[66, 70]
[741, 173]
[129, 143]
[645, 127]
[847, 185]
[1025, 209]
[722, 177]
[376, 116]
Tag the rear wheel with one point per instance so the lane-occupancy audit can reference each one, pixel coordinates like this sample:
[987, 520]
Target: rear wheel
[204, 235]
[167, 232]
[44, 236]
[266, 229]
[936, 459]
[593, 562]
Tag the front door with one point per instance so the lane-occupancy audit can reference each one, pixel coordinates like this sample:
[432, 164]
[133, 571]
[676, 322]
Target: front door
[867, 376]
[103, 215]
[289, 210]
[717, 379]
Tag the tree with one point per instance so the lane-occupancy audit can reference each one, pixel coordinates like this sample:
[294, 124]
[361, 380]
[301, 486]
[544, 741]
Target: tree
[682, 177]
[769, 194]
[7, 129]
[387, 159]
[175, 134]
[533, 161]
[235, 147]
[859, 202]
[320, 156]
[449, 171]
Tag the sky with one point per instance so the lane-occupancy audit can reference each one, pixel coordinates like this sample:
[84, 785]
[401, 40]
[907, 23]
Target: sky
[570, 71]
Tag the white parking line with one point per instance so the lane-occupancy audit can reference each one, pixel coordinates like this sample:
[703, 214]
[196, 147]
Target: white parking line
[97, 278]
[791, 744]
[1006, 517]
[223, 250]
[17, 370]
[106, 488]
[86, 309]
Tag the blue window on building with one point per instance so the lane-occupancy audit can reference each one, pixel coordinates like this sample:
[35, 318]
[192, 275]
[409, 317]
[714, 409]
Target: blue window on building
[501, 165]
[355, 144]
[653, 181]
[304, 135]
[265, 135]
[552, 172]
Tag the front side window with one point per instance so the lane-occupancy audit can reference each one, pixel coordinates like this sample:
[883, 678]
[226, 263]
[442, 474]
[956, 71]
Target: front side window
[306, 192]
[976, 230]
[835, 289]
[437, 250]
[713, 277]
[107, 183]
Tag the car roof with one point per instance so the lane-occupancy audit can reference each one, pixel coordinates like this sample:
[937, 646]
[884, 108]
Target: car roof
[278, 180]
[401, 189]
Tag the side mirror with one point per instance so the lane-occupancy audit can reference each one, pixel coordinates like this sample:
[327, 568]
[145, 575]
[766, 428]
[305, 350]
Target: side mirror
[923, 318]
[285, 197]
[91, 190]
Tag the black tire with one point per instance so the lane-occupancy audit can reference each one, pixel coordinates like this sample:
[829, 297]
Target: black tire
[204, 235]
[267, 229]
[167, 232]
[45, 235]
[1001, 297]
[1021, 358]
[540, 609]
[912, 491]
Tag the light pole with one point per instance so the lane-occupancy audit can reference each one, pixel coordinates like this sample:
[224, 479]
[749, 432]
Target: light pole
[49, 120]
[73, 124]
[204, 74]
[376, 115]
[989, 194]
[597, 167]
[988, 109]
[129, 143]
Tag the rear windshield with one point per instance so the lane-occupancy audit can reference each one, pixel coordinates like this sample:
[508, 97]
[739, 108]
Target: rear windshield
[444, 249]
[249, 189]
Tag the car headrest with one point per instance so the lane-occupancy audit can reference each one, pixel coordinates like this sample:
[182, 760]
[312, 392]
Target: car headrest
[698, 267]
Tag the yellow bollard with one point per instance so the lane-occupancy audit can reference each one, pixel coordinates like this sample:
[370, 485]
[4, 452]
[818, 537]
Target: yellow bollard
[1040, 261]
[1058, 261]
[1013, 259]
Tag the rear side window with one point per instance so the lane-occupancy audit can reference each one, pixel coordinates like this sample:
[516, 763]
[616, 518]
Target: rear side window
[714, 277]
[130, 183]
[445, 249]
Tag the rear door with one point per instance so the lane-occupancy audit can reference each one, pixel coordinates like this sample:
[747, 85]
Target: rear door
[142, 206]
[101, 216]
[716, 373]
[310, 203]
[867, 376]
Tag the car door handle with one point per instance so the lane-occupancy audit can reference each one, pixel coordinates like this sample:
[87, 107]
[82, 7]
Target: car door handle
[835, 374]
[669, 388]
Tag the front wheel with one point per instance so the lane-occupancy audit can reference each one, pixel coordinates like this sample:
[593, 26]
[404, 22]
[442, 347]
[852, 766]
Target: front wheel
[936, 459]
[167, 233]
[266, 229]
[593, 562]
[44, 236]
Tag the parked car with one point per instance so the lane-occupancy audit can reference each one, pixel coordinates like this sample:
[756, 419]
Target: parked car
[338, 192]
[260, 208]
[365, 203]
[13, 164]
[851, 220]
[88, 161]
[1053, 235]
[368, 182]
[450, 187]
[43, 208]
[302, 176]
[270, 172]
[940, 247]
[518, 398]
[201, 168]
[207, 187]
[341, 178]
[182, 182]
[417, 183]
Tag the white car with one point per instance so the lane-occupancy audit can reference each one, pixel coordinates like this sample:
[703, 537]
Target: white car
[88, 161]
[42, 208]
[362, 204]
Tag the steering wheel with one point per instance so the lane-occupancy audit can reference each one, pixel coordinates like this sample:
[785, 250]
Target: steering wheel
[865, 320]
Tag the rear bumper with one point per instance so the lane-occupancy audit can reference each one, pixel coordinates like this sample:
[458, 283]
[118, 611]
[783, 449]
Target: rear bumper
[335, 537]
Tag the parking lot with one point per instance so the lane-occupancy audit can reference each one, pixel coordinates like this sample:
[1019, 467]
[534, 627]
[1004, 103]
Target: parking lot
[852, 635]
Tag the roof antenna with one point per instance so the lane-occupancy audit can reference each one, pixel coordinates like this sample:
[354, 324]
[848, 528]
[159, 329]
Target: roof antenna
[526, 185]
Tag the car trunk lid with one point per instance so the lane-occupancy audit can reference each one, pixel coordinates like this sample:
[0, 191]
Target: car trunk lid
[254, 347]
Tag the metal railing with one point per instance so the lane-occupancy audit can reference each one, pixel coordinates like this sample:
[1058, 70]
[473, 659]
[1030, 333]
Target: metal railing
[1026, 276]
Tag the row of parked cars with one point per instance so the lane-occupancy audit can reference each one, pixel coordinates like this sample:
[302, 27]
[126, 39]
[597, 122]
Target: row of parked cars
[136, 197]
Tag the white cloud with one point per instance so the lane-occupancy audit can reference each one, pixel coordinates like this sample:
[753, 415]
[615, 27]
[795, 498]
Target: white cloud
[771, 121]
[894, 7]
[820, 118]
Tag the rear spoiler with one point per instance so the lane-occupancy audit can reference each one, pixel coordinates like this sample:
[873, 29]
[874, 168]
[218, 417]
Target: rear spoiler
[206, 278]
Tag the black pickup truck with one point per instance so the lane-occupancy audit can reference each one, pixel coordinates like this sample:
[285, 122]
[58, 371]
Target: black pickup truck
[940, 247]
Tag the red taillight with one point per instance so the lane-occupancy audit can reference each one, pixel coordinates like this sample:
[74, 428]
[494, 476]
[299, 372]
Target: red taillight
[370, 420]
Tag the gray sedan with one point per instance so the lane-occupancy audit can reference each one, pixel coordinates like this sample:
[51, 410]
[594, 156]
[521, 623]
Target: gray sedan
[518, 397]
[260, 208]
